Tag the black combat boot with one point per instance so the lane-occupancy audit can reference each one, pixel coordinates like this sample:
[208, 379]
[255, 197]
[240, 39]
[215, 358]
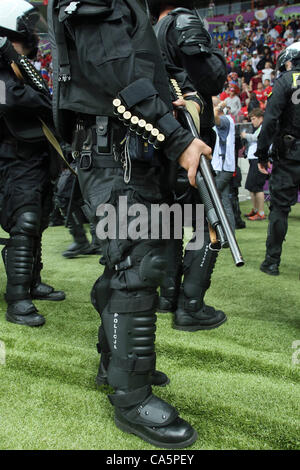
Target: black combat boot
[137, 410]
[18, 260]
[40, 290]
[270, 268]
[170, 288]
[95, 248]
[192, 314]
[81, 245]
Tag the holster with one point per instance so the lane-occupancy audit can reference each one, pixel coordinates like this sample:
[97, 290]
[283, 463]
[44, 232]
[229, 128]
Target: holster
[96, 142]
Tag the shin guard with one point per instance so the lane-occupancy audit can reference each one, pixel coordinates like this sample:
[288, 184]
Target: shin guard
[169, 291]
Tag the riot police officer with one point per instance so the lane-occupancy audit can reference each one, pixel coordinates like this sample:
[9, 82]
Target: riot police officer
[25, 165]
[187, 47]
[281, 127]
[105, 52]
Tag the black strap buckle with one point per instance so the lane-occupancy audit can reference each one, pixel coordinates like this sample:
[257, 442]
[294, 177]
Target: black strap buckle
[85, 162]
[72, 8]
[126, 264]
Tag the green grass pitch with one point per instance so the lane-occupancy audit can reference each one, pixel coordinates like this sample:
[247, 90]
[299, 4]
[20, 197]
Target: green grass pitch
[237, 385]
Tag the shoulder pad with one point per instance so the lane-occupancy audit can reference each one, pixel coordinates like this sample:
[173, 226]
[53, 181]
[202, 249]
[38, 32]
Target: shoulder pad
[178, 11]
[193, 36]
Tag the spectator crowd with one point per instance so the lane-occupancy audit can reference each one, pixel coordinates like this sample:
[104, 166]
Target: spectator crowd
[251, 56]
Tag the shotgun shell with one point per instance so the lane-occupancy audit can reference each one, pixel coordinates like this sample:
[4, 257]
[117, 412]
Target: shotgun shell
[141, 127]
[127, 118]
[116, 104]
[159, 141]
[120, 111]
[153, 136]
[133, 123]
[148, 129]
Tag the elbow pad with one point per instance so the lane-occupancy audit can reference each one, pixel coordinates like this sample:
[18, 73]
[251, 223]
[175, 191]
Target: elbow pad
[142, 98]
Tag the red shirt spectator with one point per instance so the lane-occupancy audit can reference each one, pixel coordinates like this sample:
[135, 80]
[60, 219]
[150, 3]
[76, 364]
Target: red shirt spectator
[260, 94]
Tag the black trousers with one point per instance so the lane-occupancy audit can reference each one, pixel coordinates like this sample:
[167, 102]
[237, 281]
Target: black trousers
[284, 187]
[26, 181]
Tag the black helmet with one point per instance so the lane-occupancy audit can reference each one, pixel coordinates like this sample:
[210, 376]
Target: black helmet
[156, 5]
[291, 53]
[19, 20]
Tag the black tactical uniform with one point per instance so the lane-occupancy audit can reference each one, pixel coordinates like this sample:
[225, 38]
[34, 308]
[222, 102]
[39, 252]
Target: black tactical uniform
[101, 50]
[281, 127]
[25, 169]
[187, 46]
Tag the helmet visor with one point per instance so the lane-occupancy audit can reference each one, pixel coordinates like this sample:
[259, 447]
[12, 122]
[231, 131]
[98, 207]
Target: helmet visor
[19, 18]
[289, 54]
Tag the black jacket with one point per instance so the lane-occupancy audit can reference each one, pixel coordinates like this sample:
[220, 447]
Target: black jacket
[109, 49]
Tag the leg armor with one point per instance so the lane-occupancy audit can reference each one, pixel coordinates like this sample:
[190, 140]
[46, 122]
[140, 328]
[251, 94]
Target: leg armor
[129, 324]
[40, 290]
[170, 287]
[192, 314]
[19, 259]
[100, 296]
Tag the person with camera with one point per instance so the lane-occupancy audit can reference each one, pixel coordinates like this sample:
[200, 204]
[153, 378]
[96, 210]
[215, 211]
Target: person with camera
[255, 180]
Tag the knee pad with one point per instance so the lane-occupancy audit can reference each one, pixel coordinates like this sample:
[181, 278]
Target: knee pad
[28, 224]
[144, 268]
[152, 267]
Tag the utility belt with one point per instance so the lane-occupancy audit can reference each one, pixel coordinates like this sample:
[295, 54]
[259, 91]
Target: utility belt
[103, 142]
